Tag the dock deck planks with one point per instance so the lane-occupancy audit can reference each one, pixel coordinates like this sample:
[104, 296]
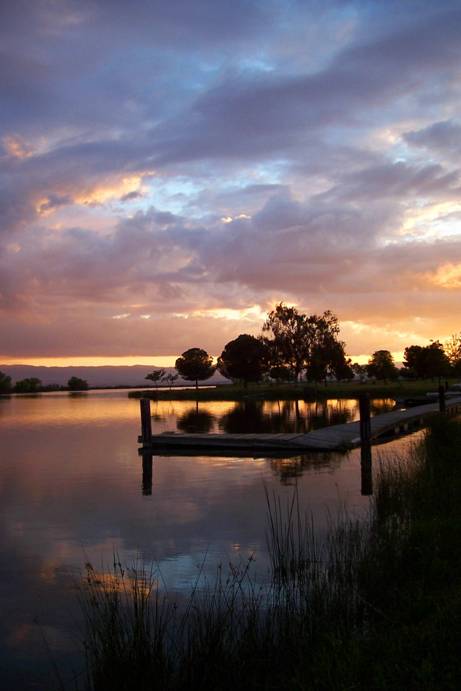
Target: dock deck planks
[333, 438]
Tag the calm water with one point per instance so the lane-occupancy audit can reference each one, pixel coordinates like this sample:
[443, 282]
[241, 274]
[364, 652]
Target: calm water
[72, 491]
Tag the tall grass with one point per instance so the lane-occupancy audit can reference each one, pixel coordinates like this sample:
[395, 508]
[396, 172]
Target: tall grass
[376, 605]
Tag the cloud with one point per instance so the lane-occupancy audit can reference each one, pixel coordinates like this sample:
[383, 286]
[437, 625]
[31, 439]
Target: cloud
[444, 137]
[187, 161]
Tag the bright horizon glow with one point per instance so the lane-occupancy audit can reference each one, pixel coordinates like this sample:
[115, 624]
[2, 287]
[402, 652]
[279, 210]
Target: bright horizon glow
[131, 360]
[89, 361]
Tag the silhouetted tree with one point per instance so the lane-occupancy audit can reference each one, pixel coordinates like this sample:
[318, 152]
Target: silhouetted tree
[414, 361]
[381, 365]
[245, 358]
[5, 383]
[342, 368]
[437, 362]
[359, 370]
[195, 365]
[328, 359]
[28, 385]
[427, 361]
[170, 378]
[302, 342]
[77, 384]
[156, 376]
[281, 373]
[290, 344]
[453, 351]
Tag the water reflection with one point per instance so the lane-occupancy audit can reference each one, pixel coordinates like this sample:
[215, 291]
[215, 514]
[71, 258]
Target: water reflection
[286, 416]
[247, 417]
[288, 470]
[381, 405]
[73, 489]
[196, 421]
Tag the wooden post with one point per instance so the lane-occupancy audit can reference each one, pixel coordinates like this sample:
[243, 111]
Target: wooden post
[366, 474]
[442, 406]
[146, 421]
[365, 445]
[365, 425]
[147, 473]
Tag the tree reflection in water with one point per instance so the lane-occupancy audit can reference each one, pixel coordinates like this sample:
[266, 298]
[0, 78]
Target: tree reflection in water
[323, 413]
[275, 417]
[255, 417]
[289, 469]
[195, 421]
[381, 405]
[284, 416]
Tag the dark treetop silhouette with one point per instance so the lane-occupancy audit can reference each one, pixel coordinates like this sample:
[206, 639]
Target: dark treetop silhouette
[246, 358]
[195, 364]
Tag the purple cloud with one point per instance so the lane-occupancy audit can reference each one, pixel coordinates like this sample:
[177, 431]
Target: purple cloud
[185, 159]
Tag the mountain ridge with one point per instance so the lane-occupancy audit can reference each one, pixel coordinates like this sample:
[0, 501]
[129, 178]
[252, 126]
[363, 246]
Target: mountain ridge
[96, 375]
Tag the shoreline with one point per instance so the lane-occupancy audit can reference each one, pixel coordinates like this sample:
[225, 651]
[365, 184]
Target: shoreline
[304, 391]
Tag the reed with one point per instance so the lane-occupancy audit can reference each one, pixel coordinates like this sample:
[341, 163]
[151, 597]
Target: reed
[377, 604]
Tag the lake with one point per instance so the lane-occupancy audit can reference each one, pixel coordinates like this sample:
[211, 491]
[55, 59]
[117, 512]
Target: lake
[73, 491]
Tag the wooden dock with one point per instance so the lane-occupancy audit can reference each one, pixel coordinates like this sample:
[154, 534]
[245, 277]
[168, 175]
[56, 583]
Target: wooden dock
[332, 438]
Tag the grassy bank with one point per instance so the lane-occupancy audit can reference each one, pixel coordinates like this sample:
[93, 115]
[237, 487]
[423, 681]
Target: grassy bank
[234, 392]
[378, 606]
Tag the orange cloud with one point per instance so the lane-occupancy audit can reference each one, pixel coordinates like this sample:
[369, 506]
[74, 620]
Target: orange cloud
[447, 276]
[15, 147]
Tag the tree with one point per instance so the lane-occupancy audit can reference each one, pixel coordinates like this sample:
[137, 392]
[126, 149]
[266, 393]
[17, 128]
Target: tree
[302, 342]
[381, 365]
[156, 376]
[290, 345]
[413, 361]
[77, 384]
[437, 362]
[427, 361]
[195, 364]
[5, 383]
[342, 369]
[359, 370]
[453, 351]
[170, 378]
[28, 385]
[328, 359]
[281, 373]
[245, 358]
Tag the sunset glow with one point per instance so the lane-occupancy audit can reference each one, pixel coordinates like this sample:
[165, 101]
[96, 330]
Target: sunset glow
[203, 164]
[79, 361]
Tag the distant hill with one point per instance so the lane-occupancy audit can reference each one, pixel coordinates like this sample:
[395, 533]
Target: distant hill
[133, 375]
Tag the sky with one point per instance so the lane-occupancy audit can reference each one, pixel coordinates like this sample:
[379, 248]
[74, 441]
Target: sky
[169, 171]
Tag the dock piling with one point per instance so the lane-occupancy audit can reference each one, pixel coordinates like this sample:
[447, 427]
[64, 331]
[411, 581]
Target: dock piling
[365, 445]
[365, 424]
[442, 404]
[366, 474]
[146, 422]
[147, 473]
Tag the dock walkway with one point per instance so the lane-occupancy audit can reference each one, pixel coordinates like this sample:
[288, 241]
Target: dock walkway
[332, 438]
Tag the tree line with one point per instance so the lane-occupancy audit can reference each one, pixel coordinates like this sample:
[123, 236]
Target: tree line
[294, 345]
[419, 362]
[291, 346]
[33, 385]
